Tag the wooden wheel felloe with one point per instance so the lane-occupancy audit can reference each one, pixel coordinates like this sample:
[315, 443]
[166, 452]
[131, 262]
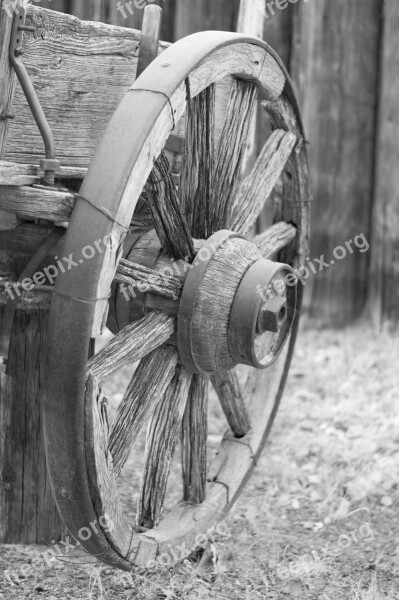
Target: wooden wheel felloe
[189, 325]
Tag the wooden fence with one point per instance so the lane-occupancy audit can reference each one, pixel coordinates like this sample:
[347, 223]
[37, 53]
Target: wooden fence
[344, 59]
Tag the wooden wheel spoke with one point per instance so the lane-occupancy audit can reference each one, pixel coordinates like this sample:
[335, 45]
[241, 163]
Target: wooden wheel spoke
[198, 162]
[129, 273]
[162, 436]
[232, 149]
[169, 221]
[258, 185]
[231, 396]
[275, 238]
[148, 385]
[194, 435]
[131, 344]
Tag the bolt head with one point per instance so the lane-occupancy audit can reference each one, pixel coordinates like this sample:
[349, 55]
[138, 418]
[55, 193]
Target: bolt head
[272, 315]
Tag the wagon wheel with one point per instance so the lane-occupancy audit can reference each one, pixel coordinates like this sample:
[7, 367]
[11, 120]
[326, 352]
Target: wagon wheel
[233, 305]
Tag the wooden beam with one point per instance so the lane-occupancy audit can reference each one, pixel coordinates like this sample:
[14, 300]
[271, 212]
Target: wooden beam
[37, 203]
[384, 283]
[12, 173]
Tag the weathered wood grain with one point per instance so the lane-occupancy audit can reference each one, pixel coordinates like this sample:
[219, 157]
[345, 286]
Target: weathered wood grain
[119, 541]
[134, 274]
[274, 239]
[145, 391]
[294, 204]
[384, 284]
[160, 119]
[277, 32]
[250, 21]
[28, 512]
[27, 509]
[233, 400]
[169, 220]
[231, 152]
[199, 15]
[198, 162]
[130, 344]
[336, 70]
[19, 244]
[12, 173]
[150, 32]
[8, 80]
[213, 303]
[37, 202]
[250, 17]
[81, 71]
[194, 433]
[255, 190]
[162, 437]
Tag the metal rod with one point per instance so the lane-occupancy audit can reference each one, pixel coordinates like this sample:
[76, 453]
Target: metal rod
[31, 96]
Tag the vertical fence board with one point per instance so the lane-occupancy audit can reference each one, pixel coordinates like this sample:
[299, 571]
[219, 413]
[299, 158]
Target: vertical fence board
[201, 15]
[335, 66]
[384, 283]
[277, 32]
[60, 5]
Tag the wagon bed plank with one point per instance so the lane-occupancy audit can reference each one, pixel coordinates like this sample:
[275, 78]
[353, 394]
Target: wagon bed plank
[81, 71]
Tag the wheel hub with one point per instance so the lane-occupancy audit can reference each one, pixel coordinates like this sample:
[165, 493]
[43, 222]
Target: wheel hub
[235, 308]
[260, 307]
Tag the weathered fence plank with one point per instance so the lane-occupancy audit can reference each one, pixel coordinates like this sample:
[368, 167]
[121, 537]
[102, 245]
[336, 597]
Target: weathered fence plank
[202, 15]
[384, 282]
[335, 67]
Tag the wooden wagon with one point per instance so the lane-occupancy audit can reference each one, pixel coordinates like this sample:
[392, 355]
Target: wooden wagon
[132, 202]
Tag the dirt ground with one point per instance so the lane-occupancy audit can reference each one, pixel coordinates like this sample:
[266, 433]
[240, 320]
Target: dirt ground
[319, 519]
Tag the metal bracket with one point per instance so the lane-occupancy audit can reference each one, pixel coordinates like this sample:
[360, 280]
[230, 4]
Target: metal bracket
[50, 165]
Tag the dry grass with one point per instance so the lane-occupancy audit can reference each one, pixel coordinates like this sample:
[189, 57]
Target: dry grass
[318, 519]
